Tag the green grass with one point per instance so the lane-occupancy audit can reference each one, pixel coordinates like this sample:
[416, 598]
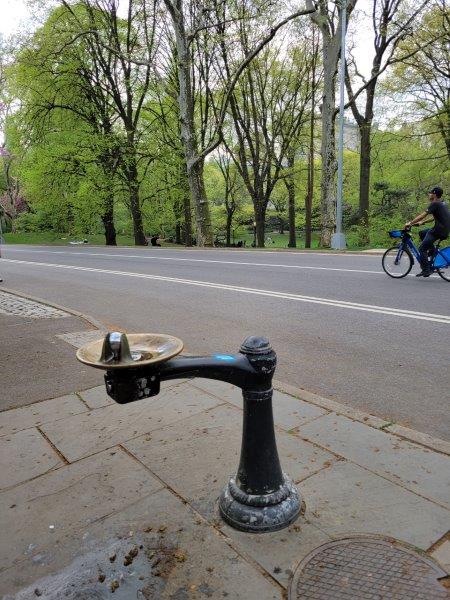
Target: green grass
[278, 240]
[273, 240]
[49, 238]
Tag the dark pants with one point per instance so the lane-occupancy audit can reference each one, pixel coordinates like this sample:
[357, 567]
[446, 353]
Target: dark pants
[429, 237]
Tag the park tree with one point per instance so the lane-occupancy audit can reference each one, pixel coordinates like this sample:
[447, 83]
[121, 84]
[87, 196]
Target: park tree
[59, 82]
[268, 111]
[201, 29]
[328, 18]
[305, 57]
[163, 110]
[420, 80]
[123, 49]
[393, 21]
[12, 202]
[232, 189]
[316, 76]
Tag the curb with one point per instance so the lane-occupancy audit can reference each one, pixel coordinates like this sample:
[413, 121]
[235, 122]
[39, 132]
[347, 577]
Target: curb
[331, 251]
[405, 433]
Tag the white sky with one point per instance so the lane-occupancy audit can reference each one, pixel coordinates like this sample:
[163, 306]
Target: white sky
[13, 16]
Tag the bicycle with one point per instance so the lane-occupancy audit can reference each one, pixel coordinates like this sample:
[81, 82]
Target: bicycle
[398, 261]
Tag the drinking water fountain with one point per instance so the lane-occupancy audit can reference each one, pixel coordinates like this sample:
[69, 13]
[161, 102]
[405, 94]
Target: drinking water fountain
[260, 497]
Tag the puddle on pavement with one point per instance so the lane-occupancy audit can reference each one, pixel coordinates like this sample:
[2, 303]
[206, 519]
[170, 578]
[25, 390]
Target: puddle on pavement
[136, 567]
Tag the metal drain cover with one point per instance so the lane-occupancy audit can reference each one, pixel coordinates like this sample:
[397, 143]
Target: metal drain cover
[367, 568]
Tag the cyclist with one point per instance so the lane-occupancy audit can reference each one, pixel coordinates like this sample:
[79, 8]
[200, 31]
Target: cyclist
[441, 215]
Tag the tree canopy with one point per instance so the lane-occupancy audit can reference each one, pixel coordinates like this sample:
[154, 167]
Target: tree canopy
[208, 122]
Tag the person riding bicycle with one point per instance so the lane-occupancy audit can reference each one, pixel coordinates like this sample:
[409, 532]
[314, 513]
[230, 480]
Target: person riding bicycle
[441, 215]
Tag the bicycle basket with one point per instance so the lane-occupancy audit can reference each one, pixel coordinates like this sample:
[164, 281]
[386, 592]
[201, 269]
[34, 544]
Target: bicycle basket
[442, 259]
[396, 233]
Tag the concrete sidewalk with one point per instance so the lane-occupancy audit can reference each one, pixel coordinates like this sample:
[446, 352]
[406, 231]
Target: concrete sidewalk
[98, 498]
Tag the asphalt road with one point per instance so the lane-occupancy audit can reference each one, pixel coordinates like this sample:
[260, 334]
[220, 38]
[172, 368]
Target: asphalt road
[340, 326]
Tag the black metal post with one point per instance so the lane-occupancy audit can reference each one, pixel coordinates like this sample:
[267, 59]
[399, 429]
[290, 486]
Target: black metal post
[260, 497]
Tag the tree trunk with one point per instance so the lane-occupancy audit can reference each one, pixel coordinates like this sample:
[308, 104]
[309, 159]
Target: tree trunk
[202, 213]
[187, 219]
[444, 127]
[364, 178]
[177, 233]
[194, 166]
[290, 186]
[108, 223]
[331, 45]
[228, 226]
[260, 220]
[310, 190]
[136, 214]
[328, 150]
[291, 208]
[131, 173]
[187, 215]
[138, 228]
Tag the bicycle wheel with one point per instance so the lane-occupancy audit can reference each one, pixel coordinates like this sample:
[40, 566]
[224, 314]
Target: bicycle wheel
[444, 273]
[395, 265]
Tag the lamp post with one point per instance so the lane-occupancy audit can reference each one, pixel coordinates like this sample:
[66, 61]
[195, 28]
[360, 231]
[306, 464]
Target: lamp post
[254, 234]
[338, 238]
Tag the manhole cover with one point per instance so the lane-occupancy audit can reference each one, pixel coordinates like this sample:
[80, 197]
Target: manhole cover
[366, 569]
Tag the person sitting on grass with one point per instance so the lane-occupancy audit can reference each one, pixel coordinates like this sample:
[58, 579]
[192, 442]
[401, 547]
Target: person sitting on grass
[440, 213]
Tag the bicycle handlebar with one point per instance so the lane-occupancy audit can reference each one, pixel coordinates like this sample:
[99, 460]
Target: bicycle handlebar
[411, 226]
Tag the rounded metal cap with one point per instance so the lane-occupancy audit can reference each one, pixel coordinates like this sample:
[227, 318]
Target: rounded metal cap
[255, 345]
[138, 350]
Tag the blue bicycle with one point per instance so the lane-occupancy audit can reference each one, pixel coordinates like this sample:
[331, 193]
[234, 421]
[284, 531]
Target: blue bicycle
[398, 261]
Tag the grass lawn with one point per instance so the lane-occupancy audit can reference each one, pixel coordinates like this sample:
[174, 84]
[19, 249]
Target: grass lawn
[278, 240]
[49, 238]
[273, 240]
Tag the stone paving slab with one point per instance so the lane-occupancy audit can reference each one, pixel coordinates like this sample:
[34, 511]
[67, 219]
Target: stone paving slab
[347, 498]
[329, 405]
[25, 455]
[414, 467]
[16, 419]
[225, 391]
[289, 412]
[36, 365]
[68, 499]
[197, 456]
[442, 555]
[97, 397]
[79, 338]
[85, 434]
[280, 552]
[181, 558]
[190, 440]
[421, 438]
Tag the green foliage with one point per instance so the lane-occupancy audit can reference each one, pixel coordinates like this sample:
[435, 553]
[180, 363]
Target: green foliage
[71, 165]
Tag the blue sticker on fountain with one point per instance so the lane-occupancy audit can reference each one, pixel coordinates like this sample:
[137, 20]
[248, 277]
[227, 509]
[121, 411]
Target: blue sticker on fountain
[224, 357]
